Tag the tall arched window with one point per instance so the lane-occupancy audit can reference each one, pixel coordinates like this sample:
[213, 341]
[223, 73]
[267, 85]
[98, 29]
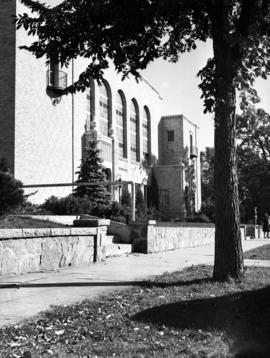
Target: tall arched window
[121, 124]
[146, 132]
[90, 102]
[104, 109]
[134, 131]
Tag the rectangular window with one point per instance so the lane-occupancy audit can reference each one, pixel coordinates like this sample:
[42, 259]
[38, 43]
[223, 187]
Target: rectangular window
[164, 198]
[170, 136]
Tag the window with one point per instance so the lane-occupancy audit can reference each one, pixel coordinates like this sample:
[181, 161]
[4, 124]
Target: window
[134, 132]
[164, 198]
[120, 125]
[146, 132]
[104, 110]
[170, 136]
[90, 103]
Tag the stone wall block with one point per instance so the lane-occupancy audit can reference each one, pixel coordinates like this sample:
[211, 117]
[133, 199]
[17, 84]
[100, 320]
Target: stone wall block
[36, 232]
[28, 253]
[68, 246]
[51, 254]
[10, 233]
[84, 251]
[83, 231]
[60, 232]
[9, 260]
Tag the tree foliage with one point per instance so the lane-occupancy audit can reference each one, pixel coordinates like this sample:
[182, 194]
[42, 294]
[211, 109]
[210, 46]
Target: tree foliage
[207, 182]
[253, 166]
[11, 191]
[253, 130]
[140, 205]
[153, 192]
[132, 34]
[91, 171]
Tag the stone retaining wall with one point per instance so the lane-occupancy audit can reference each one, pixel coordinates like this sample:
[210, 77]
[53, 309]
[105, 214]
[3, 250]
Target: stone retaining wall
[32, 250]
[161, 236]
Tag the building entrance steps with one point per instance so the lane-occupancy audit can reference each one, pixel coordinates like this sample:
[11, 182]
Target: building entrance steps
[22, 296]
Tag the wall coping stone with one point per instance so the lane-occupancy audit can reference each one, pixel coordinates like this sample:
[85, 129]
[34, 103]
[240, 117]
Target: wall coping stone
[34, 233]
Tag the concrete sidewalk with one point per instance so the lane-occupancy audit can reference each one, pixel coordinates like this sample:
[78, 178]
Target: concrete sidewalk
[26, 295]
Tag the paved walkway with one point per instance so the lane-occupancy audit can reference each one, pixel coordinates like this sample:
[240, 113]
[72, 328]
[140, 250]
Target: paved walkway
[25, 295]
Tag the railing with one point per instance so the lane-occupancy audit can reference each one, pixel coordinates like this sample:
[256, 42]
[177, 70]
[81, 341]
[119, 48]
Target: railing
[56, 80]
[193, 152]
[116, 183]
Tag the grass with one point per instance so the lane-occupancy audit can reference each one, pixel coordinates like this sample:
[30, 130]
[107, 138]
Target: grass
[259, 253]
[14, 222]
[182, 314]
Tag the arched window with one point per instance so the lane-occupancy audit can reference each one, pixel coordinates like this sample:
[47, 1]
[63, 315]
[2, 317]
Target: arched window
[104, 109]
[121, 124]
[146, 132]
[90, 102]
[134, 131]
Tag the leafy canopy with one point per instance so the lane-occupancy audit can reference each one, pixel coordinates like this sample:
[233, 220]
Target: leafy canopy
[134, 33]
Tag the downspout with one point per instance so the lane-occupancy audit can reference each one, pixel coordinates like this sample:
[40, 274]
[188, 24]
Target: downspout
[72, 123]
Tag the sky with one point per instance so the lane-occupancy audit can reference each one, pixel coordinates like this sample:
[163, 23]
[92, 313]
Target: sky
[178, 83]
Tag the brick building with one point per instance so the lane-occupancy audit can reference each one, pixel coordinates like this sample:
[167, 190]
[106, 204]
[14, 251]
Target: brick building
[43, 135]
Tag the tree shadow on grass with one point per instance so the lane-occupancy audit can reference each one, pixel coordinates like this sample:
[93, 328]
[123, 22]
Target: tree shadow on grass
[162, 284]
[244, 317]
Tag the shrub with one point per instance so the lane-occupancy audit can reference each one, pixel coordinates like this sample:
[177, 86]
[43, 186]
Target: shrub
[11, 191]
[126, 197]
[126, 202]
[208, 209]
[28, 208]
[68, 205]
[115, 212]
[119, 213]
[199, 218]
[153, 193]
[140, 206]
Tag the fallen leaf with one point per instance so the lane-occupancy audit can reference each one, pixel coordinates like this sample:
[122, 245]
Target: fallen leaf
[59, 333]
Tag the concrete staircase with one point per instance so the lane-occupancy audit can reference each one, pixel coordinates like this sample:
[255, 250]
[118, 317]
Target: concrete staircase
[112, 246]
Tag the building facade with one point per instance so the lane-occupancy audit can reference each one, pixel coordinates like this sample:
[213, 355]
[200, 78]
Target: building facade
[43, 135]
[178, 170]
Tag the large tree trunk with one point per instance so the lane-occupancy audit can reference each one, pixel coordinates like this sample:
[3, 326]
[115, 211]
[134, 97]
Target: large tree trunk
[228, 247]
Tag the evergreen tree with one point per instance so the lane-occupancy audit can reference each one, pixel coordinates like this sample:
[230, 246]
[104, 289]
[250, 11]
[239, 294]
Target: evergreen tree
[153, 193]
[11, 191]
[140, 205]
[91, 171]
[126, 197]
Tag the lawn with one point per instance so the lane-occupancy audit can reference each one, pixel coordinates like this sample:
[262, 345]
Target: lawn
[15, 222]
[259, 253]
[181, 314]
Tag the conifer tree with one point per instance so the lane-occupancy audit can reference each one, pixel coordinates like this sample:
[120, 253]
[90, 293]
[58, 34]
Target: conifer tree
[91, 171]
[11, 191]
[140, 205]
[153, 193]
[126, 197]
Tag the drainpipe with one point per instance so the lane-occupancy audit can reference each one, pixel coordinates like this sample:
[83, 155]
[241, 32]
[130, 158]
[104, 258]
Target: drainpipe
[133, 200]
[113, 166]
[72, 123]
